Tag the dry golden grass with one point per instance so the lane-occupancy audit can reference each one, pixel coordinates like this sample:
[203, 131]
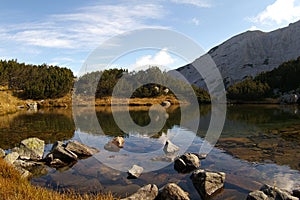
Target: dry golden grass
[13, 187]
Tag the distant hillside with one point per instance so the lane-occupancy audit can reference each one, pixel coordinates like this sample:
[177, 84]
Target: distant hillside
[249, 54]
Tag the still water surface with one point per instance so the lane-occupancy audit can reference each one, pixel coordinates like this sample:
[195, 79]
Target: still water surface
[259, 144]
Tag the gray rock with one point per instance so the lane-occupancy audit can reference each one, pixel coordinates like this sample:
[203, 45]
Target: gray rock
[148, 192]
[31, 148]
[135, 171]
[11, 157]
[186, 163]
[58, 151]
[165, 158]
[208, 183]
[247, 54]
[170, 147]
[2, 153]
[174, 192]
[257, 195]
[81, 150]
[276, 193]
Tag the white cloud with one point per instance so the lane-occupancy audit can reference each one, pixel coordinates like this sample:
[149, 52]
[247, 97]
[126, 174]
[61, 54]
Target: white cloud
[161, 58]
[195, 21]
[253, 28]
[280, 12]
[84, 28]
[198, 3]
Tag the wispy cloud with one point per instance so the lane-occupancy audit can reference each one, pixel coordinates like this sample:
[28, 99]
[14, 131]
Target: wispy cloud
[198, 3]
[281, 12]
[84, 28]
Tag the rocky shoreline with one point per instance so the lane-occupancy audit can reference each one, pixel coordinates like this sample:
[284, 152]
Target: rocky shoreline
[29, 159]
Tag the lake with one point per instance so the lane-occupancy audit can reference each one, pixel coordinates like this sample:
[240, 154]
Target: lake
[259, 144]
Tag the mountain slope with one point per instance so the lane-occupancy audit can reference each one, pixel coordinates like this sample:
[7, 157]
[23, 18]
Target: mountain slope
[249, 54]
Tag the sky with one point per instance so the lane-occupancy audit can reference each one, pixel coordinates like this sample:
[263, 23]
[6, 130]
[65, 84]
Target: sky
[64, 33]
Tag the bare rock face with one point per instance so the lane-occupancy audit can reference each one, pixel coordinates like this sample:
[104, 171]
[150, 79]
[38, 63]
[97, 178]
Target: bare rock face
[148, 192]
[135, 171]
[186, 163]
[208, 183]
[248, 54]
[268, 192]
[174, 192]
[81, 150]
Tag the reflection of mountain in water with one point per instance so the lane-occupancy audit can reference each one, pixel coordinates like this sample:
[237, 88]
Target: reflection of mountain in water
[50, 126]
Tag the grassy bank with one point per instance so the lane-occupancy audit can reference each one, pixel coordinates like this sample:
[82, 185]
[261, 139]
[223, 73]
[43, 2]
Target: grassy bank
[13, 187]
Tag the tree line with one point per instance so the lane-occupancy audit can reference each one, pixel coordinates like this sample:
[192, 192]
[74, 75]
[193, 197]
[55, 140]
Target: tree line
[151, 82]
[35, 81]
[284, 78]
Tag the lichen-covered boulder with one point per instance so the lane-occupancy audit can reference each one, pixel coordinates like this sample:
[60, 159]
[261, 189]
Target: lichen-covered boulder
[11, 157]
[31, 149]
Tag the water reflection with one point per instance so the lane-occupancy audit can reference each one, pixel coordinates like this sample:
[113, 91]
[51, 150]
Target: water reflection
[49, 125]
[259, 144]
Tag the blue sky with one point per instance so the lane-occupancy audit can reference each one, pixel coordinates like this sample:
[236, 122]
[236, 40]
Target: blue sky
[65, 32]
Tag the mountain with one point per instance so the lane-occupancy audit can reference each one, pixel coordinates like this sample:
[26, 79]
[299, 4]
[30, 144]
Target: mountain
[248, 54]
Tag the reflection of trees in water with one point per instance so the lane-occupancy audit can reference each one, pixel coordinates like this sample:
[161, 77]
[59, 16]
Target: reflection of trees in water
[260, 114]
[49, 126]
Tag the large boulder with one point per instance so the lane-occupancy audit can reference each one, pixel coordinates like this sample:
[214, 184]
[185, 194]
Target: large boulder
[207, 183]
[174, 192]
[31, 149]
[148, 192]
[59, 151]
[186, 163]
[81, 150]
[2, 153]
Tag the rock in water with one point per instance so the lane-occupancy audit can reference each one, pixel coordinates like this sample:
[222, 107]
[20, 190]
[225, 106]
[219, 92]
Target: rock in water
[170, 147]
[2, 153]
[58, 150]
[276, 193]
[11, 157]
[81, 150]
[118, 141]
[174, 192]
[186, 163]
[257, 195]
[31, 149]
[208, 183]
[135, 171]
[148, 192]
